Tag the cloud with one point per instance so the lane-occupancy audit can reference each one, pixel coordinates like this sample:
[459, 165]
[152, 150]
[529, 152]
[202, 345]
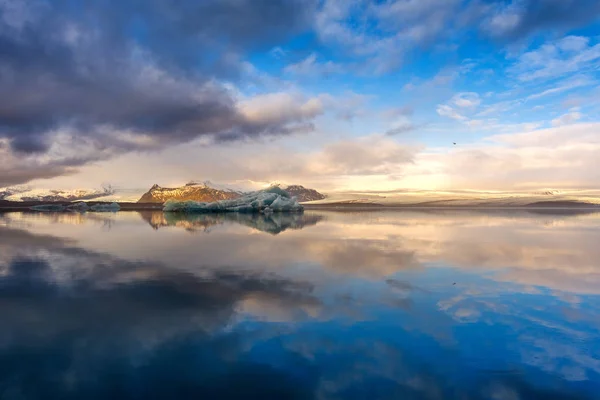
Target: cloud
[278, 53]
[347, 105]
[444, 77]
[568, 118]
[466, 100]
[559, 157]
[556, 59]
[401, 120]
[564, 86]
[380, 35]
[310, 66]
[458, 105]
[384, 31]
[372, 155]
[445, 110]
[283, 111]
[402, 128]
[119, 78]
[395, 112]
[499, 107]
[365, 156]
[19, 168]
[518, 19]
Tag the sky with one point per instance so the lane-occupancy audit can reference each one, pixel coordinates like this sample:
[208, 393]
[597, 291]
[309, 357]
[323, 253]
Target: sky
[337, 95]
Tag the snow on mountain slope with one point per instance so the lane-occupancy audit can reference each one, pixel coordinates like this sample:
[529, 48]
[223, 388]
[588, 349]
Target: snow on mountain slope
[209, 192]
[303, 194]
[273, 199]
[191, 191]
[49, 195]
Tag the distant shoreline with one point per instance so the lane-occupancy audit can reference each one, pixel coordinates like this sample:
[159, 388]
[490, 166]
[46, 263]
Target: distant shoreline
[6, 205]
[561, 205]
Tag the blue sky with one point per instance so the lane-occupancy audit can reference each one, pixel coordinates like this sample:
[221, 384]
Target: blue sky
[341, 95]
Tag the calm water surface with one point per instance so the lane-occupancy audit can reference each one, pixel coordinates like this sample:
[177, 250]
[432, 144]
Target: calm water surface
[376, 305]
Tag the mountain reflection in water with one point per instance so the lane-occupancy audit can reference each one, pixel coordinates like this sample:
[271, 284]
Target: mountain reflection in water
[272, 223]
[382, 305]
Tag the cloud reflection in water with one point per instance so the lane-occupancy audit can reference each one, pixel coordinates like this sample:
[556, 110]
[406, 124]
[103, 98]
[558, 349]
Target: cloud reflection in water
[383, 305]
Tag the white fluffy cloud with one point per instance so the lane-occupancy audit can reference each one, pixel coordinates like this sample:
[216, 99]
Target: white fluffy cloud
[466, 100]
[459, 105]
[445, 110]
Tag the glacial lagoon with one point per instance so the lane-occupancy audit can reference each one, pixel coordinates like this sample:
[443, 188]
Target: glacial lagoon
[411, 304]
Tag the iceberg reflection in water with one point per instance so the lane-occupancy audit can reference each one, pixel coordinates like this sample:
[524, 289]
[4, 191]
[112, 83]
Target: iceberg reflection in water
[382, 305]
[273, 223]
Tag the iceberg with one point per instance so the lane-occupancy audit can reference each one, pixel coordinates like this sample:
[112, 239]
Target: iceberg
[80, 206]
[112, 207]
[273, 199]
[77, 207]
[48, 207]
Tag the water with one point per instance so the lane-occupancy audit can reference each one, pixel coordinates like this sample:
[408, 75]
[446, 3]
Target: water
[378, 305]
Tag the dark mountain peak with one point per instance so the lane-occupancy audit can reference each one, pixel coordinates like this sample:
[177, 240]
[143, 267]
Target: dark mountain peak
[304, 194]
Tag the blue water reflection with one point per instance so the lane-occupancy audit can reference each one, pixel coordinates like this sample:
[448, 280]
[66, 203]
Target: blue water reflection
[378, 305]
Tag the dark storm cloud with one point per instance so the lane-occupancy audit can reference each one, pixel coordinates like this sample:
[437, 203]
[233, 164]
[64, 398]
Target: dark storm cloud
[16, 169]
[147, 68]
[519, 19]
[24, 173]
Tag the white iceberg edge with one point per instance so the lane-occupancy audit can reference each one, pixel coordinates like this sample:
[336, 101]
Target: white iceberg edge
[263, 201]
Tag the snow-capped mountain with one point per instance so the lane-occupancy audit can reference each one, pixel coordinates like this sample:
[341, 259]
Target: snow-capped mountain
[7, 192]
[208, 191]
[191, 191]
[303, 194]
[49, 195]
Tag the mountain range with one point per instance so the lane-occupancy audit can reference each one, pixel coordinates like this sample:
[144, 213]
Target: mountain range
[190, 191]
[207, 193]
[53, 195]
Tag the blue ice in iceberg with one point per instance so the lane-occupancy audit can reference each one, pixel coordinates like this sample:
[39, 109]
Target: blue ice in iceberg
[80, 206]
[273, 199]
[48, 207]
